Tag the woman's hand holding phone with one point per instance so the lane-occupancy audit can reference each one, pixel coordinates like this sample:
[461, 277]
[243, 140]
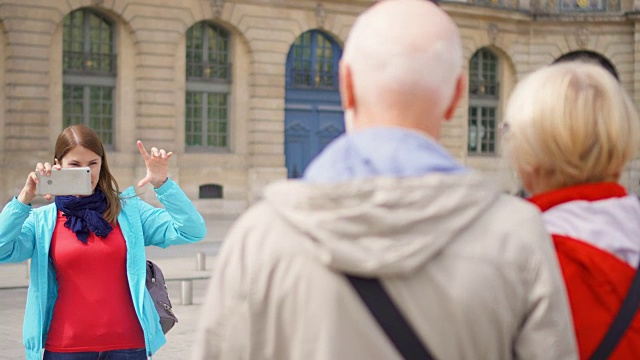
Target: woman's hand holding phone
[28, 192]
[74, 181]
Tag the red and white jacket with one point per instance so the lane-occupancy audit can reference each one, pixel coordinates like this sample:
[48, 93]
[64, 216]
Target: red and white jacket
[596, 231]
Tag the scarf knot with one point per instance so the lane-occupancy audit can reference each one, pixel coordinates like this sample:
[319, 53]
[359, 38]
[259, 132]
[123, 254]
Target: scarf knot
[85, 214]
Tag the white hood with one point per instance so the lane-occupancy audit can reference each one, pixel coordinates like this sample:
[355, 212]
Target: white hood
[368, 227]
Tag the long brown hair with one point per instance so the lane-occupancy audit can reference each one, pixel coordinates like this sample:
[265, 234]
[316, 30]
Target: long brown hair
[82, 135]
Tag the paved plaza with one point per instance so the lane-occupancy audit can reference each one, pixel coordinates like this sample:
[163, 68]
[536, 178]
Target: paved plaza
[179, 339]
[176, 262]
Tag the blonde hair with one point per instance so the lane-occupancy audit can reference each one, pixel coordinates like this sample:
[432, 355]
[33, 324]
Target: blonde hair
[572, 123]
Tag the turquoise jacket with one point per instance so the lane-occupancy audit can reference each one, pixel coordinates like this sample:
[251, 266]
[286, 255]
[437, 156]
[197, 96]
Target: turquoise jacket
[25, 233]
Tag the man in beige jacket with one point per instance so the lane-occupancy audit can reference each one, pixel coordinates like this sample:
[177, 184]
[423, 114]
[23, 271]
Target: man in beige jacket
[471, 269]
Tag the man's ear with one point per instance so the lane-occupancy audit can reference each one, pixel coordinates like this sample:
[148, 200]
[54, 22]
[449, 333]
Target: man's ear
[461, 85]
[347, 95]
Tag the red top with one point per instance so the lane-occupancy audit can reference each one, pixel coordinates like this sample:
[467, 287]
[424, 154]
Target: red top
[597, 281]
[94, 310]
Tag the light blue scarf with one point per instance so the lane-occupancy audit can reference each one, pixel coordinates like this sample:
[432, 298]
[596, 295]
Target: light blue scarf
[380, 152]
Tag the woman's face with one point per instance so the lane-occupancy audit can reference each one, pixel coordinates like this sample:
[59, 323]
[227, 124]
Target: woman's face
[83, 157]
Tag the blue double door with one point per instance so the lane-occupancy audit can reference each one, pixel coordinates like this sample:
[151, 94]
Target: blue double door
[313, 115]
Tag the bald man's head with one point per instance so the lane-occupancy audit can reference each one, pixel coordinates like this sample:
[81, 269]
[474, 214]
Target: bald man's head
[402, 56]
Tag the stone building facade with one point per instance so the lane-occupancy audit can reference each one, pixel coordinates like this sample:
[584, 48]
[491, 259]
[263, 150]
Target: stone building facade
[135, 70]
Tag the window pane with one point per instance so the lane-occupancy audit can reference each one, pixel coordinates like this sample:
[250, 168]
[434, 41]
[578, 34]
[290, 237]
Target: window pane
[72, 106]
[324, 63]
[312, 62]
[193, 119]
[473, 130]
[208, 59]
[482, 130]
[207, 129]
[216, 124]
[100, 112]
[587, 5]
[88, 43]
[194, 50]
[488, 130]
[484, 95]
[301, 62]
[483, 74]
[208, 53]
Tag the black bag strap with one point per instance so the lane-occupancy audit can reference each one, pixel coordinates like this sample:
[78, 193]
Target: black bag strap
[390, 319]
[623, 319]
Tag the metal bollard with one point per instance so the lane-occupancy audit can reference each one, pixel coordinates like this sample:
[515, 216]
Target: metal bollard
[201, 258]
[186, 297]
[28, 268]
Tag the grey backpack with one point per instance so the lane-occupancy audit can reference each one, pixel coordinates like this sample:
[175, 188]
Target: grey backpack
[158, 290]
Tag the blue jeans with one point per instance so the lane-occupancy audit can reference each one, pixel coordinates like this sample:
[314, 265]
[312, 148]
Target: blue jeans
[129, 354]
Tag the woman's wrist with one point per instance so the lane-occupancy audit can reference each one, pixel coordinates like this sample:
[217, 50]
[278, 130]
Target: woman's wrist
[24, 198]
[157, 185]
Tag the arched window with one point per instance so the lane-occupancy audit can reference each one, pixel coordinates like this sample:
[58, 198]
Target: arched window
[313, 60]
[484, 96]
[208, 87]
[89, 72]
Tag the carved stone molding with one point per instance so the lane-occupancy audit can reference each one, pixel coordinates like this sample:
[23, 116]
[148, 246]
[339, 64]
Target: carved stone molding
[216, 6]
[321, 15]
[493, 31]
[582, 36]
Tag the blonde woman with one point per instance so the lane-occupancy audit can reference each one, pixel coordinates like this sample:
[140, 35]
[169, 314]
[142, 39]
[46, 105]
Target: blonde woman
[571, 130]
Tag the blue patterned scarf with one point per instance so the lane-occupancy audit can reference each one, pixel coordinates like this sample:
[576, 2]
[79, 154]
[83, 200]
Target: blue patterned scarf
[85, 214]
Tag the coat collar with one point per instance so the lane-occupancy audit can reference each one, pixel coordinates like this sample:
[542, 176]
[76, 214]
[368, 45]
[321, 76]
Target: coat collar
[587, 192]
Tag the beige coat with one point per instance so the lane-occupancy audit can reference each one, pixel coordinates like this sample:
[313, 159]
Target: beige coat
[472, 269]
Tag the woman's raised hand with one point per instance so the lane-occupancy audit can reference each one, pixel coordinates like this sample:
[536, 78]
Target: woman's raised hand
[157, 164]
[28, 192]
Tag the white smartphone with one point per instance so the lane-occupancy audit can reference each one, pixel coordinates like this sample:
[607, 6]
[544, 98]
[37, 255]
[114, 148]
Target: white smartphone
[67, 181]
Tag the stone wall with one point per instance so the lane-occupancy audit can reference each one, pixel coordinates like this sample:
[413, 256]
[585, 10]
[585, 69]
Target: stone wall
[150, 98]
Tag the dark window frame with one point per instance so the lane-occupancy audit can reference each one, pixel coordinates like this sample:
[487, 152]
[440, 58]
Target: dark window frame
[94, 73]
[312, 61]
[484, 99]
[208, 76]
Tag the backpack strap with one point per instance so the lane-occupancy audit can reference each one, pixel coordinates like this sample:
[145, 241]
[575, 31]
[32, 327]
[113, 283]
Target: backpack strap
[623, 319]
[395, 326]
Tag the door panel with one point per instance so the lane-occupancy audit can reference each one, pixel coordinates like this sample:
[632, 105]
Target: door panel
[309, 127]
[313, 116]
